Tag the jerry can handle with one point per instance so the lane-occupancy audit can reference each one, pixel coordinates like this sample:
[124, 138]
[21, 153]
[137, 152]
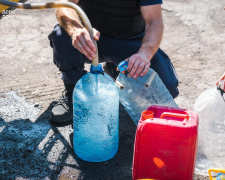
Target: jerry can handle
[122, 66]
[215, 170]
[185, 116]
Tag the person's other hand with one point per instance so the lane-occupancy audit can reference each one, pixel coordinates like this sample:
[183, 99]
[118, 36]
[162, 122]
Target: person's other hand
[222, 78]
[81, 40]
[138, 64]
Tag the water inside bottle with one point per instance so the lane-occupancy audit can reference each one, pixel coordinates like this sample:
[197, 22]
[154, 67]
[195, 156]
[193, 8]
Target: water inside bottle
[96, 118]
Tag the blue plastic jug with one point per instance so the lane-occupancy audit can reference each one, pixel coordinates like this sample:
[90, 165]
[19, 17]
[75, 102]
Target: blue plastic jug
[96, 117]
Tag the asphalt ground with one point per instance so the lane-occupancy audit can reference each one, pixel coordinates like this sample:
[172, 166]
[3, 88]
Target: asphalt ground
[30, 84]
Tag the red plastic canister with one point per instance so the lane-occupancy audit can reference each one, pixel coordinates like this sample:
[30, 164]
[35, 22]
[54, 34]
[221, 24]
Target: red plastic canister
[165, 144]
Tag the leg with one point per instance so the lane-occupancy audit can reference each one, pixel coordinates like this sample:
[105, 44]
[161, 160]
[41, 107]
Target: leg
[68, 59]
[163, 66]
[71, 63]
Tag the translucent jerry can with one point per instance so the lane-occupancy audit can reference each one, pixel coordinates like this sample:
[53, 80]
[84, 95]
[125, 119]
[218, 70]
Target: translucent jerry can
[138, 94]
[96, 117]
[210, 106]
[165, 144]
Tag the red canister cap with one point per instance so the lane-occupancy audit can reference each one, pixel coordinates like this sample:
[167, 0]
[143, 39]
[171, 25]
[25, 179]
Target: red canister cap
[147, 115]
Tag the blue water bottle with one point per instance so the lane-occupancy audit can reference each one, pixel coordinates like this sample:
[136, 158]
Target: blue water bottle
[96, 116]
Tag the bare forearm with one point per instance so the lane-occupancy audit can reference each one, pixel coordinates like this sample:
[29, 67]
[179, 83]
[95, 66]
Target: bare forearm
[81, 40]
[152, 38]
[68, 18]
[139, 63]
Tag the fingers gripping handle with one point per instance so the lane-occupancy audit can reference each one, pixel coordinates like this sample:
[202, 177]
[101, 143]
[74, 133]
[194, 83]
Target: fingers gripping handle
[79, 11]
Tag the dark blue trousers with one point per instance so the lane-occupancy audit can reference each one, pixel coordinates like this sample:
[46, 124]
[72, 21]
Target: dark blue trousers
[71, 62]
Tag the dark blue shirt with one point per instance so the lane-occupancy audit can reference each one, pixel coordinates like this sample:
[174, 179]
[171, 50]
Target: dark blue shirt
[150, 2]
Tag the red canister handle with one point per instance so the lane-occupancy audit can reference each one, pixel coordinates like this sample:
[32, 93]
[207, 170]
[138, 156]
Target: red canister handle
[185, 116]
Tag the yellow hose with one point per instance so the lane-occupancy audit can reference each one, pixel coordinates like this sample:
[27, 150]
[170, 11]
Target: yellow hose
[79, 11]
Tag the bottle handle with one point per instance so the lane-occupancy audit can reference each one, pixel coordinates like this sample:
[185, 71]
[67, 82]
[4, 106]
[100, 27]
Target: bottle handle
[122, 66]
[215, 170]
[168, 114]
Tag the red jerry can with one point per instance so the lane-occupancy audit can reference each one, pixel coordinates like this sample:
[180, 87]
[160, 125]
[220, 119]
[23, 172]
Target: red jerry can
[165, 144]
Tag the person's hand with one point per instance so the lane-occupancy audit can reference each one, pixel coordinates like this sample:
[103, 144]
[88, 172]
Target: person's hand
[138, 64]
[222, 78]
[81, 40]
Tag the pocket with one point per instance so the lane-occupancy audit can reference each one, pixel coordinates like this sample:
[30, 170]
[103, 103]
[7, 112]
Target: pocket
[170, 67]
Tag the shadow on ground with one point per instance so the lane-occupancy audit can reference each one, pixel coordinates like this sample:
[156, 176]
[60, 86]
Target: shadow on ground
[40, 150]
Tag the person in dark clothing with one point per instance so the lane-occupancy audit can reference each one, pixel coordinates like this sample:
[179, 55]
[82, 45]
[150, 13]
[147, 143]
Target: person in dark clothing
[128, 29]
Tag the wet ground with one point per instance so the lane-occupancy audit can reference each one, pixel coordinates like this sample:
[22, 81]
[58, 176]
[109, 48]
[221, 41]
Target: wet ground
[33, 148]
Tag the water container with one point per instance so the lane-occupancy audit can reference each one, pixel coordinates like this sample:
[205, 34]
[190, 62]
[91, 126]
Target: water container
[138, 94]
[165, 144]
[96, 118]
[210, 106]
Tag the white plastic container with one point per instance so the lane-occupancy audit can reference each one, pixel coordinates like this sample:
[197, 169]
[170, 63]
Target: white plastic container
[143, 92]
[210, 106]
